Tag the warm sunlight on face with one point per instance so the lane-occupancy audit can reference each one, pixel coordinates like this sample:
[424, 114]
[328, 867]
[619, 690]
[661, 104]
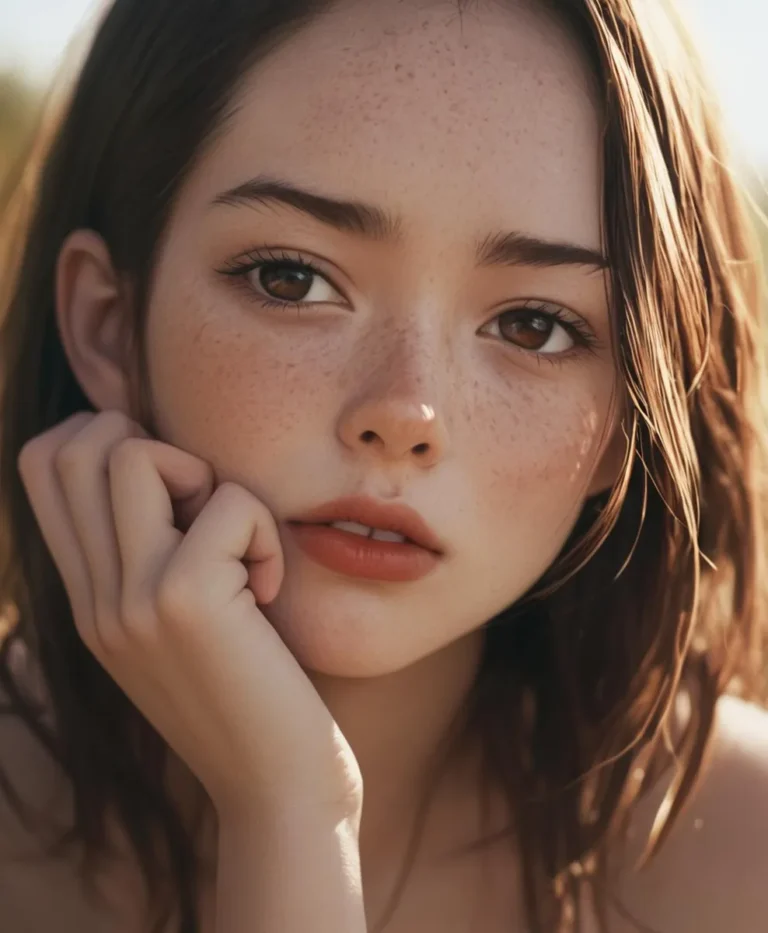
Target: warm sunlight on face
[440, 340]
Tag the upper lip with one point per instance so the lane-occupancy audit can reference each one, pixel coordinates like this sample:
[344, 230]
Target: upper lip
[375, 514]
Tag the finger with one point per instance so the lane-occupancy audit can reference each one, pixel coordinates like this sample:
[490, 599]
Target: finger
[234, 531]
[147, 479]
[81, 464]
[48, 502]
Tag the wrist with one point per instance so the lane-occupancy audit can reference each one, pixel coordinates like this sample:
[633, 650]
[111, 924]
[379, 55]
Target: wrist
[288, 818]
[289, 808]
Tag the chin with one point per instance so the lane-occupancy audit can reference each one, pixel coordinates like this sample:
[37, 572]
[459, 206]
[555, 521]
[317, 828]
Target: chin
[352, 631]
[336, 644]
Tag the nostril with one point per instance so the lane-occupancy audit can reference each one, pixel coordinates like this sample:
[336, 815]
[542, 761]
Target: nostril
[370, 438]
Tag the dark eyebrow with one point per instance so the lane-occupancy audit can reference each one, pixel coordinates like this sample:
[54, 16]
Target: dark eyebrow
[375, 223]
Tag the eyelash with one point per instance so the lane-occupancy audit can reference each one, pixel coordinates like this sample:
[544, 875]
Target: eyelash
[256, 259]
[240, 267]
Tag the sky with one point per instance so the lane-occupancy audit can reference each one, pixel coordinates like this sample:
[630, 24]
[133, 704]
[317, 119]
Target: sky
[732, 33]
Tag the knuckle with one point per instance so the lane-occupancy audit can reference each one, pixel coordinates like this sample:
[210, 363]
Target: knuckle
[109, 640]
[173, 597]
[109, 634]
[41, 445]
[234, 499]
[115, 421]
[231, 494]
[138, 618]
[69, 458]
[135, 612]
[125, 453]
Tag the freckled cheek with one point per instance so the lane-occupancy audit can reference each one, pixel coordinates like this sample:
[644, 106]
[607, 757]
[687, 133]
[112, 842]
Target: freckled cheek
[537, 449]
[229, 394]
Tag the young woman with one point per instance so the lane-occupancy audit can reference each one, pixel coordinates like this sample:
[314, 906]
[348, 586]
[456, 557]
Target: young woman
[381, 480]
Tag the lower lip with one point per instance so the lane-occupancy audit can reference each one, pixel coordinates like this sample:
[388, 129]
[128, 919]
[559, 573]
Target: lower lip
[356, 556]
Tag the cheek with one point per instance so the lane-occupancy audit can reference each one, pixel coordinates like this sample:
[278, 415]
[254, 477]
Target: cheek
[540, 449]
[223, 391]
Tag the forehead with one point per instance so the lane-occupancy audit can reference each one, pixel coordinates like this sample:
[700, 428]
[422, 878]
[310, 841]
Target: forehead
[487, 118]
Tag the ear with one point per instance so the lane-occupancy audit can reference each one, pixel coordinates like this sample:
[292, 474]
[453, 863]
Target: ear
[94, 318]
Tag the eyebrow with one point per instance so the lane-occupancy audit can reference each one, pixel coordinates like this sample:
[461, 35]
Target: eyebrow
[510, 248]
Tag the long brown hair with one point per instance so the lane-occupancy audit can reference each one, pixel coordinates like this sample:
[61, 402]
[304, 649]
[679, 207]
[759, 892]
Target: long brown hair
[658, 587]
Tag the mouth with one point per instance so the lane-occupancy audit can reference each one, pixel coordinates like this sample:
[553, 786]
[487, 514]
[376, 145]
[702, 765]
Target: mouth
[365, 538]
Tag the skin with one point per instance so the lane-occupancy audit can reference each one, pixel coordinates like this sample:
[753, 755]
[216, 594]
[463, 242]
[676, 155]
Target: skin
[464, 129]
[277, 401]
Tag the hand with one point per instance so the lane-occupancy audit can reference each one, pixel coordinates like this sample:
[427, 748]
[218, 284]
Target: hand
[164, 575]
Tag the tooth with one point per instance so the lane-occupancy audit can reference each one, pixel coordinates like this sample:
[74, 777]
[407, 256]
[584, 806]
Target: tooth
[387, 536]
[352, 527]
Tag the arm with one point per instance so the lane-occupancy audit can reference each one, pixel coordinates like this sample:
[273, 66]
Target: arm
[289, 873]
[166, 573]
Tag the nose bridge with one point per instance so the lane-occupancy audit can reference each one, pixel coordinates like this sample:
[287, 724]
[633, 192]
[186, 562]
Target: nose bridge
[408, 361]
[396, 404]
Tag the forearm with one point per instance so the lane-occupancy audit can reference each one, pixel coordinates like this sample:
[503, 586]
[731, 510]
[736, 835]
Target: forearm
[289, 874]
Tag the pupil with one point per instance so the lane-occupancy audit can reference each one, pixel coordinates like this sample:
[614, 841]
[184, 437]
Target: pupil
[530, 330]
[286, 281]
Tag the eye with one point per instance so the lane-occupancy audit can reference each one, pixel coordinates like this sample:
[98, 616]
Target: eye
[283, 281]
[540, 329]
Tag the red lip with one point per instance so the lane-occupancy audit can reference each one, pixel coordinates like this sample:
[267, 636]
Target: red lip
[368, 558]
[386, 517]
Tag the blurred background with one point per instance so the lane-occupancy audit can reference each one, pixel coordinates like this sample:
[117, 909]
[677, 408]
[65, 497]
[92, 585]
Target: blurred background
[36, 38]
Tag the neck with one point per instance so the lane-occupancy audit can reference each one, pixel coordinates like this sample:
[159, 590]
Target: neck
[400, 728]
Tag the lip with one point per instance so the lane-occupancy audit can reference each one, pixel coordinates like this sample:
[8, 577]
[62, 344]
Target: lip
[385, 516]
[353, 555]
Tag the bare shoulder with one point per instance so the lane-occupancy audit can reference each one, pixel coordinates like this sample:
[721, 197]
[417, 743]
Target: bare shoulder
[711, 876]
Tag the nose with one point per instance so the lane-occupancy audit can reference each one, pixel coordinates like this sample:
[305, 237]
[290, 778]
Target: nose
[395, 429]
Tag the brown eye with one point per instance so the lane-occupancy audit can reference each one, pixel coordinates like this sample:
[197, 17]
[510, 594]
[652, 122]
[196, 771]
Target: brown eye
[282, 282]
[528, 329]
[533, 329]
[285, 281]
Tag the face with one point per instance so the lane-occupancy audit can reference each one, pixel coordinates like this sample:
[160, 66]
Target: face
[400, 364]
